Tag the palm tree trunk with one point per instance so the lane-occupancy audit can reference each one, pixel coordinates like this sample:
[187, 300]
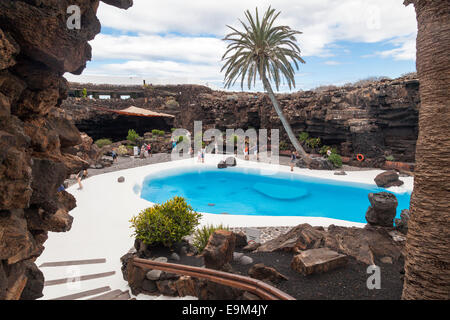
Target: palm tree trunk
[284, 121]
[427, 249]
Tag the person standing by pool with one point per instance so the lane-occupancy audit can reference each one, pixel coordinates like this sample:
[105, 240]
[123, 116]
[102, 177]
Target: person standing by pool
[203, 153]
[149, 149]
[293, 159]
[114, 154]
[80, 176]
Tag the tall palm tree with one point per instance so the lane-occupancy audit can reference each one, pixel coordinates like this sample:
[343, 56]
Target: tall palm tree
[268, 51]
[427, 249]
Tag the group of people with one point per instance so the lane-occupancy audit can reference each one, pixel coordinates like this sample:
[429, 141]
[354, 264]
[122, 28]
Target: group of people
[145, 151]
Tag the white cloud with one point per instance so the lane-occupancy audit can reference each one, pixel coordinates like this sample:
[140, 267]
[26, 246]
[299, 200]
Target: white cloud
[406, 49]
[332, 63]
[175, 40]
[144, 47]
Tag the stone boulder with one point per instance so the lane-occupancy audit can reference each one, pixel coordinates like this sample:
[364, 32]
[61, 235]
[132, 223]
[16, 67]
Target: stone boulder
[388, 179]
[317, 261]
[302, 237]
[402, 223]
[241, 239]
[382, 210]
[219, 250]
[262, 272]
[367, 245]
[316, 164]
[231, 162]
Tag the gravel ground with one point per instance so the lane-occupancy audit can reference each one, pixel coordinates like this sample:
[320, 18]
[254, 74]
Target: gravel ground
[345, 283]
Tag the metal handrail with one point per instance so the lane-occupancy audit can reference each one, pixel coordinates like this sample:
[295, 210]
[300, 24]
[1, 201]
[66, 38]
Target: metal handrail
[257, 287]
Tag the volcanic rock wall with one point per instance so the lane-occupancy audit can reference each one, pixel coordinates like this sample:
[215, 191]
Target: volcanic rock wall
[373, 119]
[36, 49]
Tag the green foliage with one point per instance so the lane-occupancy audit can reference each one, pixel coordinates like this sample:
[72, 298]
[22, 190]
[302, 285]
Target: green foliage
[390, 158]
[157, 132]
[303, 136]
[336, 160]
[132, 135]
[165, 224]
[313, 142]
[84, 93]
[324, 149]
[263, 48]
[284, 146]
[172, 130]
[181, 139]
[122, 150]
[201, 235]
[103, 142]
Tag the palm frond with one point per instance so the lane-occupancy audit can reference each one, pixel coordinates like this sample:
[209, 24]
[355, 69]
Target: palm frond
[261, 49]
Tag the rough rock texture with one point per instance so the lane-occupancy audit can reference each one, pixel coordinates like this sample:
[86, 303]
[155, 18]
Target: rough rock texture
[261, 272]
[302, 237]
[317, 261]
[388, 179]
[219, 250]
[382, 210]
[373, 119]
[36, 49]
[402, 223]
[367, 244]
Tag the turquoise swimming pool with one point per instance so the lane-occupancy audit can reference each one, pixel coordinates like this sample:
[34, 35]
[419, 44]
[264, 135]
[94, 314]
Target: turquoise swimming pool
[239, 191]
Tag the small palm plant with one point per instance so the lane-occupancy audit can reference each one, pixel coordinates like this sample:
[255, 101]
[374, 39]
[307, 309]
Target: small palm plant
[268, 51]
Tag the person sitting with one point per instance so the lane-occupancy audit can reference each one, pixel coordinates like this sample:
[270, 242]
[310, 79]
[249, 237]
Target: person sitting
[80, 176]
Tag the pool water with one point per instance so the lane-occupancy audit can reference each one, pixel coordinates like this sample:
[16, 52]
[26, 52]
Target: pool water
[240, 191]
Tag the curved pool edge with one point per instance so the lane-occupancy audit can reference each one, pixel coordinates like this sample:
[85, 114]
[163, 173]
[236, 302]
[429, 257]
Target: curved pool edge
[136, 177]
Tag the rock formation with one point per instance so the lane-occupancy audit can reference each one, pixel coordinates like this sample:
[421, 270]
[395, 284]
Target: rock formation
[372, 119]
[36, 49]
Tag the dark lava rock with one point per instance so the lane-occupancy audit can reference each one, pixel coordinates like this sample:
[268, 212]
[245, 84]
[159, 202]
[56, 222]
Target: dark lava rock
[316, 164]
[382, 210]
[241, 239]
[261, 272]
[231, 162]
[222, 165]
[219, 250]
[388, 179]
[121, 180]
[402, 223]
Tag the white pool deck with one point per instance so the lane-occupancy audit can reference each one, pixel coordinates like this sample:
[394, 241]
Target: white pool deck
[101, 228]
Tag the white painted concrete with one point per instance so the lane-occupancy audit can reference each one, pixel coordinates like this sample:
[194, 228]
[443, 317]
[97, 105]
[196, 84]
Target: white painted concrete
[101, 227]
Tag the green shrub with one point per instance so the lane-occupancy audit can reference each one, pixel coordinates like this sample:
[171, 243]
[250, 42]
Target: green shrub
[323, 150]
[165, 224]
[122, 150]
[201, 235]
[284, 146]
[132, 135]
[336, 160]
[103, 142]
[157, 132]
[303, 136]
[181, 139]
[313, 142]
[172, 130]
[84, 93]
[390, 158]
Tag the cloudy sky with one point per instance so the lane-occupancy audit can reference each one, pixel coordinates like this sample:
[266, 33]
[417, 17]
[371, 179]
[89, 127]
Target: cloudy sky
[178, 41]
